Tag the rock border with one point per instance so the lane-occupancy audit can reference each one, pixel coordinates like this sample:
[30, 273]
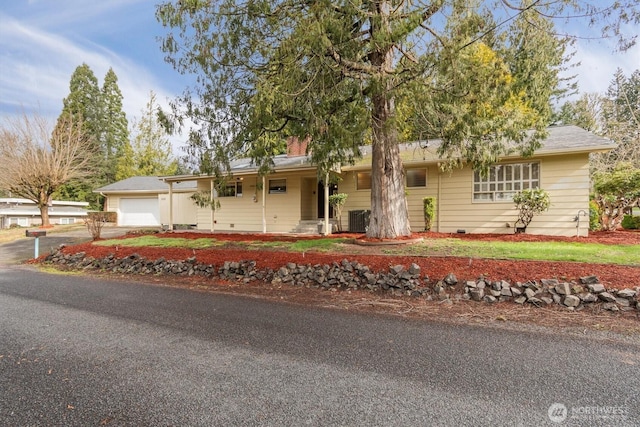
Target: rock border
[399, 281]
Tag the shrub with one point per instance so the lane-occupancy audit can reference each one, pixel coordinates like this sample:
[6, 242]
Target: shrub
[630, 222]
[94, 222]
[529, 203]
[429, 208]
[594, 216]
[337, 201]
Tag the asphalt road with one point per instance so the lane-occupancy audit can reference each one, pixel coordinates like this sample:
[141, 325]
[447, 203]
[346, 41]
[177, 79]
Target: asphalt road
[77, 351]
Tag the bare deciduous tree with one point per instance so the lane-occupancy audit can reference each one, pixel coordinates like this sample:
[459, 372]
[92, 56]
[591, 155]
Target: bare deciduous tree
[37, 160]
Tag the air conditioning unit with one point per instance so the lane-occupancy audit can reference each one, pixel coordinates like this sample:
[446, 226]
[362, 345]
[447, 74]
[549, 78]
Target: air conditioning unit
[359, 221]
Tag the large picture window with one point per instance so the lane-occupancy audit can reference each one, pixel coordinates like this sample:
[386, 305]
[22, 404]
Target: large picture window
[503, 181]
[416, 177]
[363, 180]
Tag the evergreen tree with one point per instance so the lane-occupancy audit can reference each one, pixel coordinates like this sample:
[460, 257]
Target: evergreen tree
[150, 152]
[620, 115]
[84, 105]
[105, 127]
[114, 126]
[334, 71]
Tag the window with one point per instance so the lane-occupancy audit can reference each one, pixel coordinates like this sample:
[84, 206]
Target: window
[277, 186]
[503, 181]
[416, 177]
[22, 222]
[67, 221]
[363, 181]
[231, 189]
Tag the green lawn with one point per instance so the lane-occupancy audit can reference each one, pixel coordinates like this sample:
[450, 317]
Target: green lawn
[544, 251]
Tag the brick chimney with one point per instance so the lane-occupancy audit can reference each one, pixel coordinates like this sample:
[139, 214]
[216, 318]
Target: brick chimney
[295, 147]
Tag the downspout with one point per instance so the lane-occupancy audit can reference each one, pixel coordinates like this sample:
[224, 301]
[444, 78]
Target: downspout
[264, 205]
[170, 206]
[212, 214]
[327, 230]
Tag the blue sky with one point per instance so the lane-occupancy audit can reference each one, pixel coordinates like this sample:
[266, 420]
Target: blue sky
[43, 41]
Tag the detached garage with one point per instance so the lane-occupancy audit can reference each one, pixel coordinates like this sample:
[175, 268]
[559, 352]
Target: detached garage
[141, 201]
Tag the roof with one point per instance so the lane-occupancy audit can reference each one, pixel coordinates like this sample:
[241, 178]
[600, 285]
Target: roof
[145, 184]
[567, 139]
[30, 209]
[560, 140]
[16, 201]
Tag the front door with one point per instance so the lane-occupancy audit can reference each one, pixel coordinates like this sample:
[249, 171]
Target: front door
[333, 188]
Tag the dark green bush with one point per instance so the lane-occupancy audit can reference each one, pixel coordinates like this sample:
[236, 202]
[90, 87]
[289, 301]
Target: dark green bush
[630, 222]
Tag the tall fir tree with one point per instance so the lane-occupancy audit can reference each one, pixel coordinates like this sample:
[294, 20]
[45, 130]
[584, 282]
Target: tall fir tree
[105, 127]
[114, 126]
[84, 104]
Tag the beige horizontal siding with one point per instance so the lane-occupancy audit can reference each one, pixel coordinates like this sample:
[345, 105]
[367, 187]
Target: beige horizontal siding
[565, 178]
[283, 212]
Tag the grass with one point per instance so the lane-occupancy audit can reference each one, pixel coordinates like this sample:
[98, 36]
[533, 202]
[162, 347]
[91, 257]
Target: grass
[319, 245]
[161, 242]
[539, 251]
[11, 234]
[594, 253]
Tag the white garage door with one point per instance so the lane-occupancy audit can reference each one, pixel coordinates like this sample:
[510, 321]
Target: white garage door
[139, 212]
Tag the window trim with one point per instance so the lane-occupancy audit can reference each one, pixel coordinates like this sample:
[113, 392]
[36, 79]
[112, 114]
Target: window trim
[501, 183]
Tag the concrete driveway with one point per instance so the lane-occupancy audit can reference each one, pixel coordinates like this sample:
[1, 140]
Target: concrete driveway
[22, 249]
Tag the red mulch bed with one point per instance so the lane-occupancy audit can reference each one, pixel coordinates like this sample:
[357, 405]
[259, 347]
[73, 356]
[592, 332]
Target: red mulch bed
[436, 268]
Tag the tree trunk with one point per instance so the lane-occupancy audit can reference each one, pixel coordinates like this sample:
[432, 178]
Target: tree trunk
[43, 205]
[389, 213]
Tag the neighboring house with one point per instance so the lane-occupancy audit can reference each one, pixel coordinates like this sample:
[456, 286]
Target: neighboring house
[293, 197]
[143, 201]
[25, 212]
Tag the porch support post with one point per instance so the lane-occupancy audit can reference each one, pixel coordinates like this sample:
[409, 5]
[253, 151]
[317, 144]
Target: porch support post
[264, 204]
[438, 199]
[213, 218]
[170, 206]
[327, 221]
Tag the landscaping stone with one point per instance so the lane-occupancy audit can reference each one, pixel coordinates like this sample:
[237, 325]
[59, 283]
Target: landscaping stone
[571, 301]
[607, 297]
[626, 293]
[451, 279]
[347, 275]
[477, 294]
[596, 288]
[546, 300]
[588, 297]
[563, 289]
[589, 280]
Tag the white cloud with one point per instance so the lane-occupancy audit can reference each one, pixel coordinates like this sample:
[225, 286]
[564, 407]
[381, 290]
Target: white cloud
[599, 63]
[36, 67]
